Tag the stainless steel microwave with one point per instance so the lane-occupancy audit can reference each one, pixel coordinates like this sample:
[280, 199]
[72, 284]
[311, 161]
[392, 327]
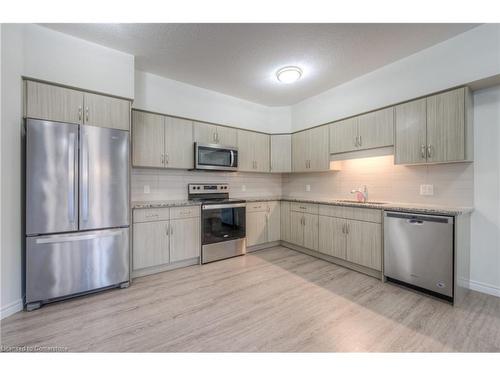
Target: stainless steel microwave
[215, 157]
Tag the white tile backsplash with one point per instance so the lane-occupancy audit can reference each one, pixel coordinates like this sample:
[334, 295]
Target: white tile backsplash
[453, 183]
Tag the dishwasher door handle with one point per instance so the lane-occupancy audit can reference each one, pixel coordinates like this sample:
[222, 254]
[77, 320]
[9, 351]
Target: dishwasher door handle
[415, 222]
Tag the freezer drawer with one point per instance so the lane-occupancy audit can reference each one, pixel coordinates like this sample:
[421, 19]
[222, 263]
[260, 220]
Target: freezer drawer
[418, 250]
[66, 264]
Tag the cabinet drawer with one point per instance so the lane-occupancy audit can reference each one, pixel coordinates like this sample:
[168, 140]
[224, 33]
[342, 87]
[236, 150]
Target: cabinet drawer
[151, 214]
[256, 206]
[353, 213]
[310, 208]
[184, 212]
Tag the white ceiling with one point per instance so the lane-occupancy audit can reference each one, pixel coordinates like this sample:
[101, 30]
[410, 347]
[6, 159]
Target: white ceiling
[241, 59]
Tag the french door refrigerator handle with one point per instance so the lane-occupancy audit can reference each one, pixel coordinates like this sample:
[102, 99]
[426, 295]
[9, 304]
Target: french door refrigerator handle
[85, 178]
[71, 177]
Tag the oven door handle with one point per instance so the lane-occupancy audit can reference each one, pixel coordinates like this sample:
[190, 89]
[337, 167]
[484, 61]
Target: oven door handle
[219, 206]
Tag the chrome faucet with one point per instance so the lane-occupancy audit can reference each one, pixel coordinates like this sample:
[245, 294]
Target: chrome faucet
[364, 193]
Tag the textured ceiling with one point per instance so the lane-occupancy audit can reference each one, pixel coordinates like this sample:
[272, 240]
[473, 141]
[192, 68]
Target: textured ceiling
[241, 59]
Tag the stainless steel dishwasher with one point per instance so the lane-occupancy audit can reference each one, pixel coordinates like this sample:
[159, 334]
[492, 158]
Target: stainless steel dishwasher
[418, 251]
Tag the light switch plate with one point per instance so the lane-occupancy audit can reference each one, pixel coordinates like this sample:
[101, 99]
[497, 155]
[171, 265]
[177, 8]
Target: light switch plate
[308, 187]
[243, 188]
[426, 189]
[147, 190]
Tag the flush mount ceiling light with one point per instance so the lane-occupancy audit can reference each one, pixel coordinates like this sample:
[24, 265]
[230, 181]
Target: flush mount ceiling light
[289, 74]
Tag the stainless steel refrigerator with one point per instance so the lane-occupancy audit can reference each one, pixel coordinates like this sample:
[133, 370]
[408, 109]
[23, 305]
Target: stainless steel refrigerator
[77, 210]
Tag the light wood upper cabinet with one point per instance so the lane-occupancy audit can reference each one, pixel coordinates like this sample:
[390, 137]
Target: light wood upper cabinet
[185, 239]
[227, 136]
[151, 244]
[343, 135]
[317, 149]
[281, 153]
[215, 134]
[446, 126]
[376, 129]
[310, 150]
[436, 129]
[364, 244]
[48, 102]
[273, 221]
[253, 151]
[107, 112]
[285, 221]
[179, 147]
[147, 139]
[410, 132]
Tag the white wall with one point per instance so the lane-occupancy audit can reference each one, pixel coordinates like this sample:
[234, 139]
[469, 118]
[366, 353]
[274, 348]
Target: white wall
[485, 248]
[158, 94]
[53, 56]
[465, 58]
[11, 189]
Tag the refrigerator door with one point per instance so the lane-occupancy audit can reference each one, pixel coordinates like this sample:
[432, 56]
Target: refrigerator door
[66, 264]
[104, 174]
[51, 177]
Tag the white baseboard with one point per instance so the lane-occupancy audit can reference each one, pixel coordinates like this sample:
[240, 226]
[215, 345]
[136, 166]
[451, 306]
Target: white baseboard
[11, 308]
[479, 286]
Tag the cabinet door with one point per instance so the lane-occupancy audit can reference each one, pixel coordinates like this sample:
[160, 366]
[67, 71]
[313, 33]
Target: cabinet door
[47, 102]
[285, 221]
[299, 151]
[317, 149]
[205, 133]
[256, 227]
[331, 237]
[364, 244]
[311, 231]
[261, 152]
[296, 228]
[410, 132]
[185, 239]
[274, 221]
[446, 126]
[151, 244]
[106, 112]
[376, 129]
[245, 151]
[227, 136]
[343, 135]
[281, 153]
[147, 139]
[179, 146]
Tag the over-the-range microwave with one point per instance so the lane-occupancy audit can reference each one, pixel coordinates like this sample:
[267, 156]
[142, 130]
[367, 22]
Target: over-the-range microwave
[215, 157]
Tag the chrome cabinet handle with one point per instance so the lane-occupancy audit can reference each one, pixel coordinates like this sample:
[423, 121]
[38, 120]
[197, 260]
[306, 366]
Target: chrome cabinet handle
[167, 229]
[80, 113]
[171, 229]
[429, 151]
[166, 158]
[347, 228]
[360, 141]
[356, 142]
[422, 151]
[87, 114]
[162, 158]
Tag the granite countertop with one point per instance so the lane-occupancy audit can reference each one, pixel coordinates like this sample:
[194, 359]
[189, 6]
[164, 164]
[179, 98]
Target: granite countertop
[387, 206]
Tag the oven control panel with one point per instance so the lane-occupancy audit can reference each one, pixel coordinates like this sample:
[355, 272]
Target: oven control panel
[208, 188]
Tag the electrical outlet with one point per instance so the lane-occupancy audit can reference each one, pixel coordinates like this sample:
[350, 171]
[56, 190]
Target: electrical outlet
[308, 187]
[146, 189]
[243, 188]
[426, 189]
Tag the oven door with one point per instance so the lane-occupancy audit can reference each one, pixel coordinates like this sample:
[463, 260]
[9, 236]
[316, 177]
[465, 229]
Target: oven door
[223, 222]
[215, 157]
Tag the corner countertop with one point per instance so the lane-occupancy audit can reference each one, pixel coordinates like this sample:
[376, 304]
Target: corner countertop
[386, 206]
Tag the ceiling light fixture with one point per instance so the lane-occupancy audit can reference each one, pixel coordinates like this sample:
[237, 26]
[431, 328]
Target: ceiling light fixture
[289, 74]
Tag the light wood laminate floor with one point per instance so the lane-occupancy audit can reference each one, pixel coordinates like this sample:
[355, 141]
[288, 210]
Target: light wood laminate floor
[271, 300]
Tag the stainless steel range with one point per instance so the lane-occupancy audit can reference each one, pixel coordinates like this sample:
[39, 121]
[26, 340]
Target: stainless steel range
[223, 233]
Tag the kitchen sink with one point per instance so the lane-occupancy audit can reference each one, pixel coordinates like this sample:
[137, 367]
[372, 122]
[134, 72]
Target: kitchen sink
[356, 202]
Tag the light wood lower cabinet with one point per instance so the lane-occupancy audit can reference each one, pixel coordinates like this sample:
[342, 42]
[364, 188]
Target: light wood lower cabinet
[285, 221]
[304, 229]
[158, 242]
[364, 244]
[332, 236]
[151, 244]
[263, 222]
